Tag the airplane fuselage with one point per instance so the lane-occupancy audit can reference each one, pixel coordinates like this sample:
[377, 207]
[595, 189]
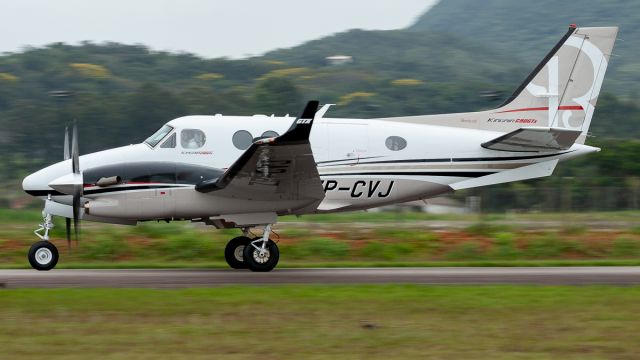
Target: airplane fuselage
[362, 164]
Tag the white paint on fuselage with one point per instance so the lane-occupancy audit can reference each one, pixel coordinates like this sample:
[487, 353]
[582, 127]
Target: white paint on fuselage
[355, 142]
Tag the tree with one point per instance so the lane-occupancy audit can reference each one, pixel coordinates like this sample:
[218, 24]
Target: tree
[277, 94]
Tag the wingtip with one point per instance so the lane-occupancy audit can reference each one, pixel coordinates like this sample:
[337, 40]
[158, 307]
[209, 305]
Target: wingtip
[301, 127]
[310, 110]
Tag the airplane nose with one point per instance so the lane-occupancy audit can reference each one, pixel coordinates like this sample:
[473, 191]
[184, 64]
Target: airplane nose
[30, 184]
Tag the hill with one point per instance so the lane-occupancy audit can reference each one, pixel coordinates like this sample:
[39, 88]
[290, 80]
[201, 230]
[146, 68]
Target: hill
[124, 92]
[528, 29]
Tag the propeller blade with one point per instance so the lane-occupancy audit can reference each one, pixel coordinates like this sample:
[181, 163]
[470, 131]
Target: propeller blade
[74, 149]
[67, 156]
[77, 194]
[68, 223]
[77, 187]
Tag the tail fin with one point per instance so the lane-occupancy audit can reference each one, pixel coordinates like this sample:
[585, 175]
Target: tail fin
[562, 90]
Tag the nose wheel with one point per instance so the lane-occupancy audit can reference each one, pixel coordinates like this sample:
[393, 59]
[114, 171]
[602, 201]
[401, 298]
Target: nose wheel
[43, 256]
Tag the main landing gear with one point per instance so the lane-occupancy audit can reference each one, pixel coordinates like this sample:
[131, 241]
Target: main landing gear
[43, 255]
[259, 254]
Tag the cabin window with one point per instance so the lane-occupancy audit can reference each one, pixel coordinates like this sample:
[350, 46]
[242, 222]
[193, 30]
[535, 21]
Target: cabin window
[154, 139]
[170, 143]
[266, 135]
[192, 138]
[242, 139]
[395, 143]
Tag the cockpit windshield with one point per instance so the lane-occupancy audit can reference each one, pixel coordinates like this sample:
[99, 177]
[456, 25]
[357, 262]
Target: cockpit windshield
[154, 139]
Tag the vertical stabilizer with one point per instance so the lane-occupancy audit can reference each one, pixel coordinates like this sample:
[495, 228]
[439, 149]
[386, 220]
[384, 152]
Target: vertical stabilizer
[562, 90]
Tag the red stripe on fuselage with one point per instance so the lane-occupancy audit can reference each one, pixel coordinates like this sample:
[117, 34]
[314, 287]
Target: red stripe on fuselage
[544, 108]
[132, 183]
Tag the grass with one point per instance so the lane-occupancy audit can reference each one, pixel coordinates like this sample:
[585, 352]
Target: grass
[322, 322]
[181, 244]
[10, 216]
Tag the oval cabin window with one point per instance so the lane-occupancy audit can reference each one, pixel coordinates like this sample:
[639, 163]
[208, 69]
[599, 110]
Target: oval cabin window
[395, 143]
[242, 139]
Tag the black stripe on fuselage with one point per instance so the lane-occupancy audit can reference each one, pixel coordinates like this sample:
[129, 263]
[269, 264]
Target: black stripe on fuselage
[44, 192]
[440, 160]
[330, 161]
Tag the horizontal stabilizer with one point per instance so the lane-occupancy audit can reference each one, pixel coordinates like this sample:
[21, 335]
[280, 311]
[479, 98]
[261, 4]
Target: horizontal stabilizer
[537, 170]
[534, 139]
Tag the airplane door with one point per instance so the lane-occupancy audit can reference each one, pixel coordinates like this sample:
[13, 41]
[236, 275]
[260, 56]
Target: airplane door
[348, 141]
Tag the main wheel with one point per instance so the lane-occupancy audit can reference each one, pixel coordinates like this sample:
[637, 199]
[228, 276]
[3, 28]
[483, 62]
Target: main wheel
[261, 261]
[233, 252]
[43, 256]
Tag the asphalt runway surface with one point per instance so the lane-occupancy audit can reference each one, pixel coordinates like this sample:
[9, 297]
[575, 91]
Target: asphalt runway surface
[182, 278]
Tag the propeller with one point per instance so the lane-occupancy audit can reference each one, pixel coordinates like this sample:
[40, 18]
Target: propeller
[77, 186]
[67, 156]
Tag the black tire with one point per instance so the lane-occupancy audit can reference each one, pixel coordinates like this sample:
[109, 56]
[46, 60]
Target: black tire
[256, 263]
[43, 256]
[234, 251]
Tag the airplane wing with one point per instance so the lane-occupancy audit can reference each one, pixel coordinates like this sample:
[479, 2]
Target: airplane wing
[274, 169]
[534, 139]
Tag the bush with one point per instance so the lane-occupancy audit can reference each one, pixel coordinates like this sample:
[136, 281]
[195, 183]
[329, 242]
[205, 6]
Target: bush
[547, 246]
[385, 251]
[191, 246]
[504, 246]
[466, 251]
[625, 247]
[104, 247]
[319, 248]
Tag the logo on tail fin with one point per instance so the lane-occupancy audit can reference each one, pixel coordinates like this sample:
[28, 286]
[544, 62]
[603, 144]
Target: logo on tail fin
[599, 66]
[560, 116]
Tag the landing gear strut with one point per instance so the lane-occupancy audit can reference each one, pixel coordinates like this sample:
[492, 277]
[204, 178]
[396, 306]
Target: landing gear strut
[43, 255]
[262, 254]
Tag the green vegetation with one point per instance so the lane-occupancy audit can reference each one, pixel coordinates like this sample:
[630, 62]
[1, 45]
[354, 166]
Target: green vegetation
[375, 240]
[323, 322]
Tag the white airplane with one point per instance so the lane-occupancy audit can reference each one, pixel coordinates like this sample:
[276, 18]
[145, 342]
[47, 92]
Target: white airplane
[244, 172]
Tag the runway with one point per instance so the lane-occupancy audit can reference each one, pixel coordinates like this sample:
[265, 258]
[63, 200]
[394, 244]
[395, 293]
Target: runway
[183, 278]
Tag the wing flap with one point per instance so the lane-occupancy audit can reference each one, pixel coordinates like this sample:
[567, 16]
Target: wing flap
[534, 139]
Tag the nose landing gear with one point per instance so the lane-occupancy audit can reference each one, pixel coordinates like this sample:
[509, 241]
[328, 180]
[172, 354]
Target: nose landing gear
[43, 255]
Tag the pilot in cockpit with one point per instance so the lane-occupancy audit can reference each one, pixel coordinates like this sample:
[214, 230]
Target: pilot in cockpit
[192, 138]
